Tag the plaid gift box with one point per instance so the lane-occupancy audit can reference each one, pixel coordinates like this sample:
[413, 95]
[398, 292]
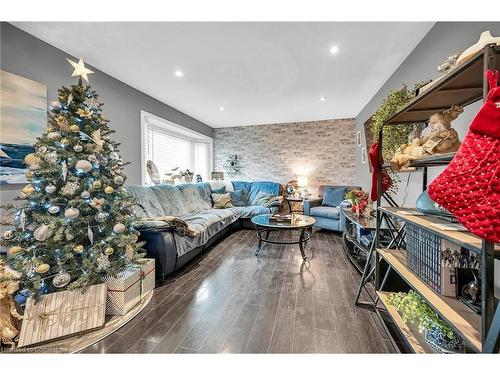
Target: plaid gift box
[130, 287]
[61, 314]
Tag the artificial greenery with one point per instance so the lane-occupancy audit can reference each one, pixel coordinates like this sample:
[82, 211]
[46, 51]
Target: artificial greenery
[75, 167]
[413, 308]
[393, 135]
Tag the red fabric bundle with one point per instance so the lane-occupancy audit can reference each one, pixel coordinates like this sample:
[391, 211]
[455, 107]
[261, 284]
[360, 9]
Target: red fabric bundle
[386, 179]
[470, 186]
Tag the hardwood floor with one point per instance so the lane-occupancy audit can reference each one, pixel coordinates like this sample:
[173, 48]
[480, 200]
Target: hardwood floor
[230, 301]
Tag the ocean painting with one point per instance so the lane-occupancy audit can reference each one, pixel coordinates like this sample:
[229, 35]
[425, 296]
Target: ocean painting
[23, 118]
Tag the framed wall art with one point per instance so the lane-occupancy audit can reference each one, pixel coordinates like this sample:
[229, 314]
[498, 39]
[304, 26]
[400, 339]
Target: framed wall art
[23, 118]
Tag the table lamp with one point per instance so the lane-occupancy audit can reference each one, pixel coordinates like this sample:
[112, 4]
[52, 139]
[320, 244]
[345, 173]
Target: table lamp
[303, 182]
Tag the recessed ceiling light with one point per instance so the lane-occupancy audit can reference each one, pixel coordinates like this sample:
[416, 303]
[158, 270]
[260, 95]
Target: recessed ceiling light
[334, 50]
[221, 109]
[322, 99]
[178, 73]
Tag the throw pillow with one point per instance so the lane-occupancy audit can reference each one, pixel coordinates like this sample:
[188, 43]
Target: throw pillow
[333, 196]
[222, 200]
[238, 198]
[262, 199]
[221, 190]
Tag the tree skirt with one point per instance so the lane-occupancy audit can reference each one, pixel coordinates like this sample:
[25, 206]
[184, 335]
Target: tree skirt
[76, 343]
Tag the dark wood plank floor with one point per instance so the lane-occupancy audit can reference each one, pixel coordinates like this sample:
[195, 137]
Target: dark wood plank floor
[230, 301]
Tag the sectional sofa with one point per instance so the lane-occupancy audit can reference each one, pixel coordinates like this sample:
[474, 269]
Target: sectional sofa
[193, 203]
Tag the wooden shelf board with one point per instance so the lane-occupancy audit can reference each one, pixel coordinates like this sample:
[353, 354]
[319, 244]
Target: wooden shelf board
[414, 338]
[465, 321]
[429, 161]
[461, 86]
[465, 239]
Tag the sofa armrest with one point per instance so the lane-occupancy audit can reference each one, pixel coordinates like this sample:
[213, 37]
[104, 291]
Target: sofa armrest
[310, 203]
[152, 226]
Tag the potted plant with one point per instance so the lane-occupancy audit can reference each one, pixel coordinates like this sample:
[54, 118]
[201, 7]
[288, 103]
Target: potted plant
[412, 308]
[360, 202]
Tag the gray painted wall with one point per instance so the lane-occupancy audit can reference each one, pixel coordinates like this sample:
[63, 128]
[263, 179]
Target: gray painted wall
[443, 39]
[27, 56]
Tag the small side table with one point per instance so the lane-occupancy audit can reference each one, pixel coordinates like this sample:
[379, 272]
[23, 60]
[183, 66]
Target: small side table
[289, 201]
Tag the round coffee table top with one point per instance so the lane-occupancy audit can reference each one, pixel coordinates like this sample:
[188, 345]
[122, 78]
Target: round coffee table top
[298, 221]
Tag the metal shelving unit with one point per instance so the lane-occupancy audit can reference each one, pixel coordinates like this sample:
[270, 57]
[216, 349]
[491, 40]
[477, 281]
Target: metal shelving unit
[464, 85]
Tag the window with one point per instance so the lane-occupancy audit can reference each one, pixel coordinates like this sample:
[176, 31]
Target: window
[170, 145]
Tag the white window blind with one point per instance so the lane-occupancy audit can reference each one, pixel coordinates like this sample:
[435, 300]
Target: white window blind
[168, 148]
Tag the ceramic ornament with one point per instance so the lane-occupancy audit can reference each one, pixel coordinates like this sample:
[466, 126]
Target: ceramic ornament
[83, 166]
[64, 170]
[53, 135]
[55, 105]
[118, 180]
[119, 228]
[71, 213]
[90, 235]
[50, 189]
[78, 249]
[61, 279]
[109, 190]
[22, 219]
[43, 232]
[101, 216]
[32, 159]
[8, 235]
[43, 268]
[54, 209]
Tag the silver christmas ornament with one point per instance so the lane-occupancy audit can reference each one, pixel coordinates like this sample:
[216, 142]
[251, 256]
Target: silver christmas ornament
[83, 166]
[43, 232]
[22, 219]
[50, 189]
[78, 148]
[8, 235]
[71, 213]
[70, 99]
[92, 158]
[55, 105]
[54, 209]
[90, 235]
[101, 216]
[84, 194]
[53, 135]
[119, 228]
[61, 279]
[64, 170]
[118, 180]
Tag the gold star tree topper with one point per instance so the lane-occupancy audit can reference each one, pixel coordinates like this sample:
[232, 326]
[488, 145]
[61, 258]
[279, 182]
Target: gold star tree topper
[80, 69]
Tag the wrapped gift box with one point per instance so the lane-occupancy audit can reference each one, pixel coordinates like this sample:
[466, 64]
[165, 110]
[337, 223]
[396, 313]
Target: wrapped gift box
[129, 287]
[61, 314]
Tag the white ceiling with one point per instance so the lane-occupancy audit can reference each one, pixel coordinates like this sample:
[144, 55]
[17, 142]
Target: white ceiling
[259, 72]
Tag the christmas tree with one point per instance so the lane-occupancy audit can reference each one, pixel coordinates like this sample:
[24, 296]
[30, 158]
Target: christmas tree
[75, 226]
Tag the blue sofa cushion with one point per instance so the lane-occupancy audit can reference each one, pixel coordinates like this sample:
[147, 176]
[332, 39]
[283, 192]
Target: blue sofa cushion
[238, 198]
[326, 212]
[263, 187]
[262, 198]
[221, 190]
[333, 196]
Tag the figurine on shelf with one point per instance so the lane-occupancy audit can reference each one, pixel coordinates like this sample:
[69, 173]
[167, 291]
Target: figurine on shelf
[437, 138]
[9, 317]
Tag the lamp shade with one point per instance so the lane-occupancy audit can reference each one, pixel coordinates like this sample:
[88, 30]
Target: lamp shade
[302, 180]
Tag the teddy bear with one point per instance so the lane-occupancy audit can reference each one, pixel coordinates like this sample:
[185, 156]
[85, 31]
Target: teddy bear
[437, 138]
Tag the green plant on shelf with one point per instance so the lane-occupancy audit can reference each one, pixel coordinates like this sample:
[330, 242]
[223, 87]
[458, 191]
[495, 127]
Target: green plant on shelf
[414, 309]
